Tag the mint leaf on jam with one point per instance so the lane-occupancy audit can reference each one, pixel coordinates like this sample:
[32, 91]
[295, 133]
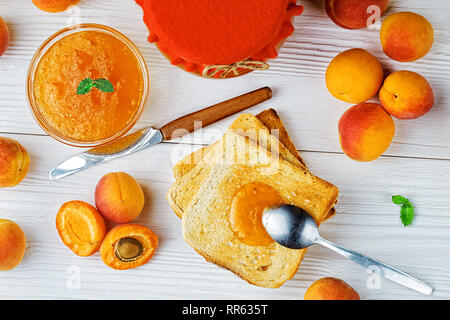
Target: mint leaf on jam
[407, 210]
[104, 85]
[88, 84]
[85, 86]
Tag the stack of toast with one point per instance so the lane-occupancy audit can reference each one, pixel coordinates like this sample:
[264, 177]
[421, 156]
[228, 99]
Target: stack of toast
[254, 149]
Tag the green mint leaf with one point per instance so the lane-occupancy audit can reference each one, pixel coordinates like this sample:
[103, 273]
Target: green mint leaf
[104, 85]
[407, 214]
[407, 210]
[85, 86]
[399, 200]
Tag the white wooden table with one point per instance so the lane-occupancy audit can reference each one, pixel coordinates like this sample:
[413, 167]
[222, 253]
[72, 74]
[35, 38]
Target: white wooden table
[417, 165]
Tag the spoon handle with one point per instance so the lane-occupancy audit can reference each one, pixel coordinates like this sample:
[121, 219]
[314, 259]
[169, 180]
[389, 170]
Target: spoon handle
[387, 271]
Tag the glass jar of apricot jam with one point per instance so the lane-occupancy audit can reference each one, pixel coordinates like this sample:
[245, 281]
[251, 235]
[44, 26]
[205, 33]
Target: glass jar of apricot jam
[77, 53]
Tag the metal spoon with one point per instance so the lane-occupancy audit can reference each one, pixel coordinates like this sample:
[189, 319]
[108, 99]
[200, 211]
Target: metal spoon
[294, 228]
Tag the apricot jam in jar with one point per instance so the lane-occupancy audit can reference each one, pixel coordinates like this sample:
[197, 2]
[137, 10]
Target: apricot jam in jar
[87, 51]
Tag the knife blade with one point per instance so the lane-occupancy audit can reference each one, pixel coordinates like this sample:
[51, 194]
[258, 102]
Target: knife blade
[148, 137]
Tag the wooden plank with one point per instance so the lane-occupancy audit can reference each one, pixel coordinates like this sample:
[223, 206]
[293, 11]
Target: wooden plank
[310, 112]
[366, 221]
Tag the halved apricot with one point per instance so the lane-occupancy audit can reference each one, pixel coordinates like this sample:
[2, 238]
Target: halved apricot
[246, 213]
[80, 227]
[128, 246]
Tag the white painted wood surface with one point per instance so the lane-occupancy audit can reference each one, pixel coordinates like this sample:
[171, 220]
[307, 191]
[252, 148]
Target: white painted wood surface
[417, 165]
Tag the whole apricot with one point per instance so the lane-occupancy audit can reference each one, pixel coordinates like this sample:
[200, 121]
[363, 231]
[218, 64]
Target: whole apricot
[354, 76]
[80, 227]
[128, 246]
[406, 95]
[54, 5]
[331, 289]
[119, 197]
[14, 162]
[366, 131]
[4, 36]
[12, 245]
[406, 36]
[355, 14]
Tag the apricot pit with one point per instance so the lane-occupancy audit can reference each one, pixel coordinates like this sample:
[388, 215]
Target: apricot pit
[128, 249]
[128, 246]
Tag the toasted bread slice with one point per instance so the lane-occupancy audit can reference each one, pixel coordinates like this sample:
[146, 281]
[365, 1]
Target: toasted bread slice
[272, 121]
[190, 177]
[268, 118]
[236, 162]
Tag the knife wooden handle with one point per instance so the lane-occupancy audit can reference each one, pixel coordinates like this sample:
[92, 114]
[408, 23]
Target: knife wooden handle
[185, 125]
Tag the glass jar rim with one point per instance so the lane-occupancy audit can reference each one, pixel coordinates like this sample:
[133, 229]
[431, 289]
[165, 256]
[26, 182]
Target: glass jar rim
[40, 53]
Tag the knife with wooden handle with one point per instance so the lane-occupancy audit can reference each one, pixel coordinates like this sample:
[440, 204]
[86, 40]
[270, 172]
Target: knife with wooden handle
[150, 136]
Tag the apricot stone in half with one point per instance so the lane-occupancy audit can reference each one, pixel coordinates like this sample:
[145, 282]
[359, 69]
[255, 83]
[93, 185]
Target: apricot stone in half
[80, 227]
[128, 246]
